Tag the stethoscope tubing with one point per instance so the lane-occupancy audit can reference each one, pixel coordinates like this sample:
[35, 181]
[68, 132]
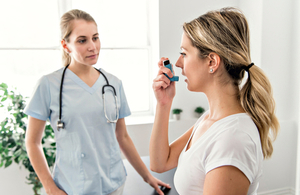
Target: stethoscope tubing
[60, 124]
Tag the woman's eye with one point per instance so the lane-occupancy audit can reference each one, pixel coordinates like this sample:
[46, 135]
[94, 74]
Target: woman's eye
[183, 54]
[95, 38]
[81, 41]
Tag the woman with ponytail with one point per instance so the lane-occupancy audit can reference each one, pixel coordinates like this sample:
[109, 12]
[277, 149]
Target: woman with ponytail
[223, 152]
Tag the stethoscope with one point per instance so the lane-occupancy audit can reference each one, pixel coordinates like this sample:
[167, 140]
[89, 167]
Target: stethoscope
[61, 125]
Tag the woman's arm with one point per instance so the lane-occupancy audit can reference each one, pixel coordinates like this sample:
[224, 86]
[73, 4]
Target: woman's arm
[162, 156]
[133, 157]
[34, 148]
[226, 180]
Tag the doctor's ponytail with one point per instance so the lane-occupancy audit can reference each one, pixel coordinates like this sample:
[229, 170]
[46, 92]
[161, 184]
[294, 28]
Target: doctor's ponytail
[66, 28]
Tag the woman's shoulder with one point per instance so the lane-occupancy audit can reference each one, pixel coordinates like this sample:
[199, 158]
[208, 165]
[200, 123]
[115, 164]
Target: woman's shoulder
[238, 128]
[55, 74]
[111, 77]
[50, 78]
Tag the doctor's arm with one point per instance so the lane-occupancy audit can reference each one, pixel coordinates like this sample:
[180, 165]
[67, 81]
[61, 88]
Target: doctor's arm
[33, 138]
[133, 157]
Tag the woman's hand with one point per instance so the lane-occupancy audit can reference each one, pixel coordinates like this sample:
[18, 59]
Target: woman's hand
[155, 183]
[60, 192]
[163, 88]
[56, 191]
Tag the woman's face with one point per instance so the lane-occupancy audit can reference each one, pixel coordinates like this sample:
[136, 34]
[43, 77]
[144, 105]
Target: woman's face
[84, 43]
[193, 67]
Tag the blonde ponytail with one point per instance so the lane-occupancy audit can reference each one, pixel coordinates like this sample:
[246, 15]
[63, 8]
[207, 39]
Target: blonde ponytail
[257, 99]
[66, 58]
[226, 33]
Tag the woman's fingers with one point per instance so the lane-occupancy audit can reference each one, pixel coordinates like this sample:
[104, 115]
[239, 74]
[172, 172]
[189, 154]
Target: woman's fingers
[160, 183]
[161, 81]
[164, 184]
[159, 85]
[164, 70]
[160, 62]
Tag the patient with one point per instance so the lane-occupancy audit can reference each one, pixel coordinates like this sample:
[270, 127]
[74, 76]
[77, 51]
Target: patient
[223, 152]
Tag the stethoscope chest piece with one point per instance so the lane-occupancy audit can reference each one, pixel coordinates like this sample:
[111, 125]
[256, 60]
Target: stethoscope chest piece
[60, 125]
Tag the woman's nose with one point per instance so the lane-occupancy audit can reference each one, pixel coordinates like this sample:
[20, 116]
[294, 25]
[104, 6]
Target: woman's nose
[92, 46]
[179, 62]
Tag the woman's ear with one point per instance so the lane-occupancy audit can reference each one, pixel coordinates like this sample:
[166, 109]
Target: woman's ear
[214, 62]
[64, 45]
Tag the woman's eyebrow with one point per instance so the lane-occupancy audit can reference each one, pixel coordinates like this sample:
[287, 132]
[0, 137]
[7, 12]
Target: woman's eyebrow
[81, 37]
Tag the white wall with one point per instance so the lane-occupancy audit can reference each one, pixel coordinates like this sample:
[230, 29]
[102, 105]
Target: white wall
[272, 26]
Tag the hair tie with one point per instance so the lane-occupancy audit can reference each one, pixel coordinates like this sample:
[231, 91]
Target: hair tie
[248, 67]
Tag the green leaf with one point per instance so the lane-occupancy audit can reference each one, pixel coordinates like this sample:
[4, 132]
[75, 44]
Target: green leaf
[3, 85]
[4, 144]
[8, 163]
[3, 99]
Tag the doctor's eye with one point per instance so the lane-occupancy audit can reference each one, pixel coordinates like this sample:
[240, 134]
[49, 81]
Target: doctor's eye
[82, 41]
[183, 54]
[95, 38]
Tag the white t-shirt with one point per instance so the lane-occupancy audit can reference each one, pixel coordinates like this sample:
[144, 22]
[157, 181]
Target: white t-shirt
[234, 141]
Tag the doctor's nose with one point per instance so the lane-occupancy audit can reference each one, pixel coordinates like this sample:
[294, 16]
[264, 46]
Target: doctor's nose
[92, 46]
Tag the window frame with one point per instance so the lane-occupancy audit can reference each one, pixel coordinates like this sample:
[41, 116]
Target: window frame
[152, 46]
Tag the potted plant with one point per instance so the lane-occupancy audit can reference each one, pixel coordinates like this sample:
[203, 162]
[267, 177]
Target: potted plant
[199, 111]
[12, 136]
[176, 113]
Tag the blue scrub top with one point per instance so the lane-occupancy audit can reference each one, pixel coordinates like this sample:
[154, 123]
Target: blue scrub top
[88, 157]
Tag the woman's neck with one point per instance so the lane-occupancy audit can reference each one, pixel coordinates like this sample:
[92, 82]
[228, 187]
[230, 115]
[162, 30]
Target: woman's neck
[81, 70]
[86, 73]
[223, 101]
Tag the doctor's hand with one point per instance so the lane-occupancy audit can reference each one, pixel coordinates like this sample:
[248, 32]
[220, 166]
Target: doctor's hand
[155, 183]
[163, 88]
[56, 191]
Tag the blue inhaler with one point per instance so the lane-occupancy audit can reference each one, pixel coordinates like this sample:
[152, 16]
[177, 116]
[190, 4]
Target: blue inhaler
[169, 66]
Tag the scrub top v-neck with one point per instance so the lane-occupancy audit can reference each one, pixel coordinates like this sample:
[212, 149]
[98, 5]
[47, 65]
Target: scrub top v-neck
[81, 83]
[88, 158]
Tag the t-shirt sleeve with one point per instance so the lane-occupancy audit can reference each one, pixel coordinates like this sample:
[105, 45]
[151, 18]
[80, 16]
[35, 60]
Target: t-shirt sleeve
[39, 103]
[124, 108]
[233, 148]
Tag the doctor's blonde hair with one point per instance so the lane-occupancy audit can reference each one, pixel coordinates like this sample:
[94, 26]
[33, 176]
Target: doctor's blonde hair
[226, 33]
[66, 28]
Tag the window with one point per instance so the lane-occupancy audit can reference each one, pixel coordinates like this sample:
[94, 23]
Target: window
[29, 46]
[31, 43]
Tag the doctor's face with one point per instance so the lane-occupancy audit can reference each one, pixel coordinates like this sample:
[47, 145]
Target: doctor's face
[84, 43]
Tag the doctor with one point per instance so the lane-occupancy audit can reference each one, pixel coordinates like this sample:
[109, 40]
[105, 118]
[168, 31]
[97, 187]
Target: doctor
[89, 130]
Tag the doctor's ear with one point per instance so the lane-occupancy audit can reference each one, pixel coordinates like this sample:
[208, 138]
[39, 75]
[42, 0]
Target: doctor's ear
[214, 62]
[65, 47]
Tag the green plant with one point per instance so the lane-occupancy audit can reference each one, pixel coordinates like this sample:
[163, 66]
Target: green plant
[12, 136]
[199, 110]
[176, 111]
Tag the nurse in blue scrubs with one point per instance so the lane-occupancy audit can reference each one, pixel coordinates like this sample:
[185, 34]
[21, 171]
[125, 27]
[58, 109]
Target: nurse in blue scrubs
[88, 158]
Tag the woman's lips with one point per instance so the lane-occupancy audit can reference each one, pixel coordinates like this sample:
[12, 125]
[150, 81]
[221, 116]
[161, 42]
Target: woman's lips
[92, 56]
